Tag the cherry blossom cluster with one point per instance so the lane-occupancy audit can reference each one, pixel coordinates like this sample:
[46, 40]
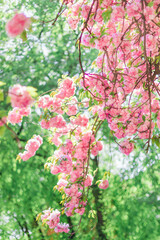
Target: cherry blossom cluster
[52, 219]
[71, 159]
[31, 147]
[125, 83]
[20, 101]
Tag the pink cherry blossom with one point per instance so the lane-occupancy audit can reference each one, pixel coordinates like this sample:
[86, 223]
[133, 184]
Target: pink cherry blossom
[17, 24]
[88, 180]
[45, 214]
[25, 111]
[72, 110]
[55, 169]
[126, 147]
[62, 183]
[31, 147]
[62, 227]
[14, 116]
[26, 155]
[20, 97]
[80, 210]
[103, 184]
[45, 102]
[53, 219]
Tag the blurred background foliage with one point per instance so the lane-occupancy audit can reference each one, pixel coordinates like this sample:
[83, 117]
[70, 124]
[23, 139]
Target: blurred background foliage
[128, 209]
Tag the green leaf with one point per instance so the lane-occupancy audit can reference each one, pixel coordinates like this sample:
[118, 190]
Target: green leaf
[112, 94]
[150, 4]
[24, 36]
[2, 130]
[158, 57]
[90, 102]
[156, 141]
[92, 214]
[96, 102]
[81, 90]
[1, 95]
[119, 69]
[3, 113]
[33, 20]
[2, 83]
[107, 14]
[8, 99]
[92, 40]
[32, 91]
[144, 118]
[30, 29]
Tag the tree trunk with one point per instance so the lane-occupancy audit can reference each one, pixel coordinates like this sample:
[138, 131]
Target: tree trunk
[98, 203]
[72, 236]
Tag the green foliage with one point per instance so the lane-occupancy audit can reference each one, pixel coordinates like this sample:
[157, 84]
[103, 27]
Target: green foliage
[106, 15]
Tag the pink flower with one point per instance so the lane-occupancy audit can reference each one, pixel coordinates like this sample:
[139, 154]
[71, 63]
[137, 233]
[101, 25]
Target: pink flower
[38, 138]
[103, 184]
[144, 130]
[88, 180]
[106, 3]
[126, 147]
[73, 23]
[26, 155]
[97, 147]
[55, 169]
[72, 191]
[149, 13]
[20, 97]
[32, 145]
[25, 111]
[56, 140]
[85, 11]
[65, 164]
[57, 121]
[67, 89]
[76, 9]
[80, 210]
[69, 212]
[62, 227]
[86, 40]
[14, 116]
[118, 13]
[81, 121]
[46, 214]
[45, 102]
[72, 110]
[17, 25]
[45, 124]
[133, 9]
[53, 219]
[62, 183]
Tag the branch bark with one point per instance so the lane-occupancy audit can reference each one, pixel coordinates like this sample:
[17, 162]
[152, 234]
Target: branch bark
[98, 203]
